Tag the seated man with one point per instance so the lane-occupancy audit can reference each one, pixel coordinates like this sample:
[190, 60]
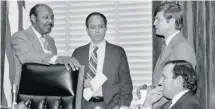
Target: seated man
[178, 84]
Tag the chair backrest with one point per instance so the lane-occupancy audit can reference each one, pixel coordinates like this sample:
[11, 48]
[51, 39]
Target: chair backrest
[51, 85]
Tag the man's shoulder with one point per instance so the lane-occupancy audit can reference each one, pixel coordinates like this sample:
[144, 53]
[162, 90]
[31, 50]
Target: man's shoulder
[83, 47]
[190, 98]
[180, 38]
[181, 43]
[193, 98]
[114, 46]
[21, 34]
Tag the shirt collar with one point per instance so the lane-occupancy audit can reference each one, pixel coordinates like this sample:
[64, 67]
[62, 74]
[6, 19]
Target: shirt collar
[37, 34]
[100, 45]
[168, 39]
[178, 96]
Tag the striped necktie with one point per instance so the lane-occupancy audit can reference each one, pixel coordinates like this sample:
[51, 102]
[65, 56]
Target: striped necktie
[163, 46]
[91, 72]
[44, 42]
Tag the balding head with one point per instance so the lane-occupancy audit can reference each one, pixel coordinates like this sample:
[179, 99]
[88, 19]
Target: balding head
[42, 18]
[34, 9]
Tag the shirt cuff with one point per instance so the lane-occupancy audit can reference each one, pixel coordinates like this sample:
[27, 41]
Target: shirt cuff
[53, 59]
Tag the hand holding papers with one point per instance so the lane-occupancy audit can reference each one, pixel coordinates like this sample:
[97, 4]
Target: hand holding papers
[96, 83]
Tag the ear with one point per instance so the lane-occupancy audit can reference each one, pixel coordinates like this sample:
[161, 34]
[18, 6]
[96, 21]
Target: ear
[180, 81]
[172, 21]
[33, 18]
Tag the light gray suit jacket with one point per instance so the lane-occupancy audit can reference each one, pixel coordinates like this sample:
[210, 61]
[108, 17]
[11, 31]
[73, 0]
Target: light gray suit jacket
[27, 48]
[177, 49]
[117, 90]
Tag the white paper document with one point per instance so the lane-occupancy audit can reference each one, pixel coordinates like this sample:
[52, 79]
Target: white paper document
[96, 82]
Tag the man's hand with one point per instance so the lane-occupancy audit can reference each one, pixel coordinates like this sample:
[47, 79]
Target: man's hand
[87, 83]
[23, 105]
[68, 61]
[154, 94]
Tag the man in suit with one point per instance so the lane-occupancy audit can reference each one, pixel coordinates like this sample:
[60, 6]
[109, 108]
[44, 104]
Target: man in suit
[110, 60]
[178, 84]
[35, 45]
[168, 22]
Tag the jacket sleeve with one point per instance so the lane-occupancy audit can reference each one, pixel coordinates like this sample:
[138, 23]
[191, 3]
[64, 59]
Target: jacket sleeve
[126, 86]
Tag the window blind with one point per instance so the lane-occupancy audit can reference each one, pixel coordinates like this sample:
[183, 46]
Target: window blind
[129, 25]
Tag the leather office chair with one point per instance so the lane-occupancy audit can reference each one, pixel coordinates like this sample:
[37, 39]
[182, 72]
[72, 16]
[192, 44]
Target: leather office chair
[51, 86]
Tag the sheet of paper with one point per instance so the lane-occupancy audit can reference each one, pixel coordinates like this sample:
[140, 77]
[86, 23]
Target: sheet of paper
[96, 82]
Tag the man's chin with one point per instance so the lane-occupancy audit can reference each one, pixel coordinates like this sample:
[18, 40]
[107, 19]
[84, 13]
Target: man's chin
[166, 96]
[47, 32]
[158, 33]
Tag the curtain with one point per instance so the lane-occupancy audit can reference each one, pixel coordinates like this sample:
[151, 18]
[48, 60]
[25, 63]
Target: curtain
[11, 21]
[199, 29]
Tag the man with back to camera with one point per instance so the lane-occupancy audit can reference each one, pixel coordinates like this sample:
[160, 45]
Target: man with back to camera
[168, 22]
[99, 56]
[35, 45]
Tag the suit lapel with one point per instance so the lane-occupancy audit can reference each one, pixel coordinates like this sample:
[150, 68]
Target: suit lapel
[182, 99]
[107, 63]
[85, 55]
[34, 40]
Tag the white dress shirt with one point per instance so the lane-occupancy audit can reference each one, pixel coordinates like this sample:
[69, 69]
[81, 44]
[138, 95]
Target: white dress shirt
[168, 39]
[100, 57]
[39, 36]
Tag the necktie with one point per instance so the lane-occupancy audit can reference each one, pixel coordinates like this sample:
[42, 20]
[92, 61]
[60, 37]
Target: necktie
[162, 48]
[44, 42]
[163, 45]
[91, 73]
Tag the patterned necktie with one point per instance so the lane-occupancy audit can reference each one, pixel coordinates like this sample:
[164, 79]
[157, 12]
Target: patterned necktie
[91, 73]
[163, 45]
[44, 42]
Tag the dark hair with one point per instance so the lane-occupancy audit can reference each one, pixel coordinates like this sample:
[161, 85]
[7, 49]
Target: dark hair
[34, 9]
[185, 69]
[171, 10]
[96, 13]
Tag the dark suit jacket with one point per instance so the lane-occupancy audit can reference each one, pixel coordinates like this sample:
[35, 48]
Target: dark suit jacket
[177, 49]
[27, 48]
[187, 101]
[117, 90]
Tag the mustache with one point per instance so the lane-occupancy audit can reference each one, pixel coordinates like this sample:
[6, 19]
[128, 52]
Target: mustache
[50, 24]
